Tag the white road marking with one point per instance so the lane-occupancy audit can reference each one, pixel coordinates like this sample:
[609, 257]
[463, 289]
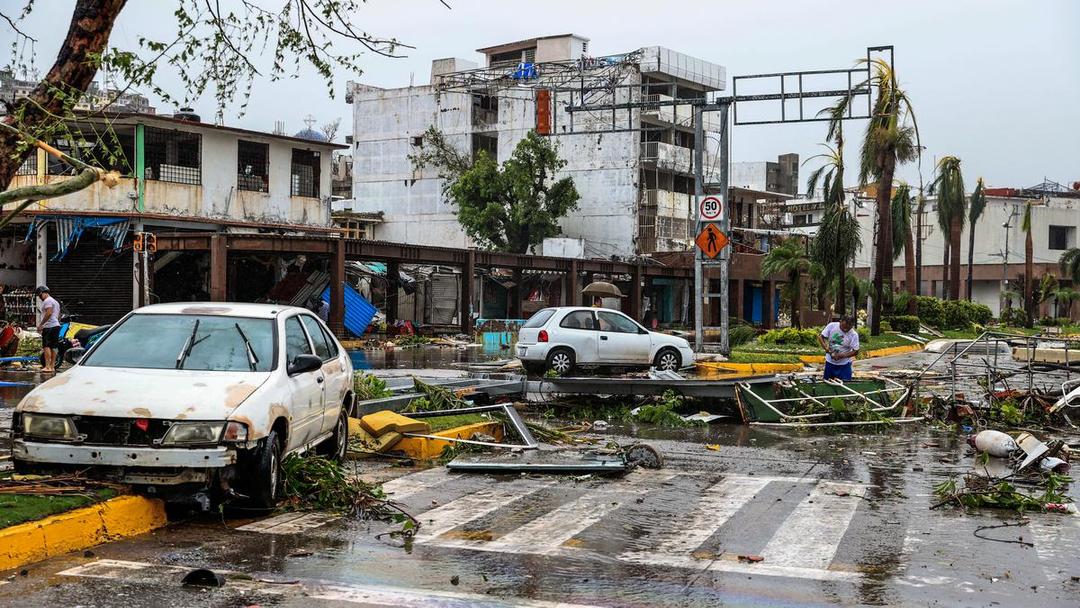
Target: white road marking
[546, 534]
[441, 520]
[717, 505]
[414, 483]
[810, 536]
[289, 523]
[132, 572]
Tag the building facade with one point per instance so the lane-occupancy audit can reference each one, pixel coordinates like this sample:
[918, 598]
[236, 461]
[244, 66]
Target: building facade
[635, 182]
[781, 176]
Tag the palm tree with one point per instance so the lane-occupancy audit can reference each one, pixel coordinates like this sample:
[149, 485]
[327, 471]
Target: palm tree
[838, 238]
[1070, 264]
[903, 237]
[1029, 266]
[892, 138]
[952, 206]
[1065, 296]
[789, 258]
[975, 211]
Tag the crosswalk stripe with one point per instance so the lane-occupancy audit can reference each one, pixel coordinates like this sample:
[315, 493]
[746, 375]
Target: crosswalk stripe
[718, 503]
[547, 533]
[405, 486]
[442, 519]
[289, 523]
[811, 535]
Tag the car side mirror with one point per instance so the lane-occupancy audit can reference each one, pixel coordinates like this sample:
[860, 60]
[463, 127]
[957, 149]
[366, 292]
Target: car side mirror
[303, 364]
[74, 355]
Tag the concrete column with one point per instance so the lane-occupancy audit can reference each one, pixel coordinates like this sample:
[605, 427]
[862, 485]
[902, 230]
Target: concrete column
[392, 287]
[634, 310]
[767, 289]
[337, 290]
[41, 262]
[572, 285]
[219, 265]
[514, 306]
[468, 285]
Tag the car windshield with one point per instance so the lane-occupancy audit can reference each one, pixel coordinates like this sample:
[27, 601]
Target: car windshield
[192, 342]
[539, 318]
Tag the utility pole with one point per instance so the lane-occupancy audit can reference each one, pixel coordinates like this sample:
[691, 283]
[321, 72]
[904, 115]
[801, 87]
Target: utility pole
[699, 193]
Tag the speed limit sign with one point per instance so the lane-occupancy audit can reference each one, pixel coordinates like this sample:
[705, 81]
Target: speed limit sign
[710, 208]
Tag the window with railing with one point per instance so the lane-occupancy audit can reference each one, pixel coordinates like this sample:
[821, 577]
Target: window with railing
[112, 149]
[29, 166]
[173, 156]
[304, 173]
[252, 166]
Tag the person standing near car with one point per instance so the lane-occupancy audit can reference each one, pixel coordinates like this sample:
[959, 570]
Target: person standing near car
[841, 344]
[49, 327]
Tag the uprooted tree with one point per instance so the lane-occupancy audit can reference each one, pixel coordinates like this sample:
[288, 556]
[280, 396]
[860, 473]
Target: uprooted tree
[215, 48]
[511, 207]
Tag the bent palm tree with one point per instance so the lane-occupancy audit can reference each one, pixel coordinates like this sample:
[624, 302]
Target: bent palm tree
[975, 211]
[903, 239]
[838, 238]
[952, 205]
[1070, 265]
[789, 258]
[892, 138]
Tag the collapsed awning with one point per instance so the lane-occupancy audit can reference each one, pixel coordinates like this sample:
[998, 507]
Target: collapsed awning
[70, 228]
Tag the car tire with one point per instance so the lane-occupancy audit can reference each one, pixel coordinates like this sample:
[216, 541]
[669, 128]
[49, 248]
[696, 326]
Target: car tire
[561, 361]
[337, 445]
[264, 489]
[668, 359]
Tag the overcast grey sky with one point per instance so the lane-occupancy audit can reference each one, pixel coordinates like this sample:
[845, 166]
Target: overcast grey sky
[994, 82]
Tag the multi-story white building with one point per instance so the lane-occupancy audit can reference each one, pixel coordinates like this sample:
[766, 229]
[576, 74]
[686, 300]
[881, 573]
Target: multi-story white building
[999, 243]
[178, 174]
[635, 181]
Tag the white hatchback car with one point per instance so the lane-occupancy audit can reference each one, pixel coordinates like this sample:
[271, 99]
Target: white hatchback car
[563, 338]
[193, 399]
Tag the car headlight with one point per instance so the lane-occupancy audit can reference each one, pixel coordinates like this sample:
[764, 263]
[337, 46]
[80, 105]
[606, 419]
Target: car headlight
[193, 432]
[48, 427]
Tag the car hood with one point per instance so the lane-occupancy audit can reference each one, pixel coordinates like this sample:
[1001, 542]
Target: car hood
[143, 393]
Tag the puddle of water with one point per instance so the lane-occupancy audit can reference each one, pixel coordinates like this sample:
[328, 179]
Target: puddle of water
[425, 357]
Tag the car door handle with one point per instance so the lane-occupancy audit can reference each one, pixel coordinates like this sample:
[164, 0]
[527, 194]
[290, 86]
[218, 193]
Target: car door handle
[603, 337]
[319, 379]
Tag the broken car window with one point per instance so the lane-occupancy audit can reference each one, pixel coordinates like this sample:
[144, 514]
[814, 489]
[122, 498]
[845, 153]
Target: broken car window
[153, 341]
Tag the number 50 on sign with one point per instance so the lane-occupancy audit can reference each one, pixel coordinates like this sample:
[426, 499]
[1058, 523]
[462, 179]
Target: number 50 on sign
[710, 208]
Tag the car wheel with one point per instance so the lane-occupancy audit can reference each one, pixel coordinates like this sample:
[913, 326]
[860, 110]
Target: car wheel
[561, 361]
[667, 360]
[266, 479]
[337, 445]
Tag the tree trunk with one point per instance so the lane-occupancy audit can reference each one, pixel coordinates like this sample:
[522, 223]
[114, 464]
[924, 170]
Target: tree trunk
[883, 263]
[841, 296]
[918, 244]
[955, 233]
[971, 258]
[73, 70]
[909, 273]
[796, 302]
[945, 267]
[1029, 279]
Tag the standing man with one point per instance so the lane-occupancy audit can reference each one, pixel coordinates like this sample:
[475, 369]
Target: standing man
[49, 327]
[841, 344]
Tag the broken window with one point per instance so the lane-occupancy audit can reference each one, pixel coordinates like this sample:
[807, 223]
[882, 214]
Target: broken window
[485, 110]
[112, 149]
[29, 166]
[173, 156]
[1061, 237]
[304, 173]
[486, 143]
[253, 166]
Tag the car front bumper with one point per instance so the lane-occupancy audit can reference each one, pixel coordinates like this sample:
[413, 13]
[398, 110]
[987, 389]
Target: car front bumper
[122, 456]
[686, 356]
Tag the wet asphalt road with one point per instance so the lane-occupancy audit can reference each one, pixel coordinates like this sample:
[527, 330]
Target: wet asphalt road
[836, 518]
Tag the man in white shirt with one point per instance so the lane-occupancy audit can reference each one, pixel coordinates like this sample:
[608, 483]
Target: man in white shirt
[841, 344]
[49, 327]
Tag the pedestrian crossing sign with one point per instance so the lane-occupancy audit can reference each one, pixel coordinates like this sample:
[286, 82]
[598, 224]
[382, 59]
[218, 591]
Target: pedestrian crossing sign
[711, 241]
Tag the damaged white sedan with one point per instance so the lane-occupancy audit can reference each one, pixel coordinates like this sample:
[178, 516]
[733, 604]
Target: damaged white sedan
[193, 400]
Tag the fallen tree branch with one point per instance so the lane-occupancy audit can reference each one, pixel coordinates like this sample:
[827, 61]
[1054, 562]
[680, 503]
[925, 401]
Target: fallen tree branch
[31, 194]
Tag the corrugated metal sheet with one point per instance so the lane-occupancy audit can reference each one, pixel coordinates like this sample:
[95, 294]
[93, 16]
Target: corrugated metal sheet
[444, 299]
[358, 311]
[92, 281]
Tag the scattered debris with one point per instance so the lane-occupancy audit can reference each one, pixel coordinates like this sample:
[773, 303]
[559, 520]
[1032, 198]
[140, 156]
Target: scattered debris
[980, 492]
[810, 401]
[202, 577]
[715, 447]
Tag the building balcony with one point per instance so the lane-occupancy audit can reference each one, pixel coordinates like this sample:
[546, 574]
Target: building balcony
[678, 159]
[669, 204]
[681, 115]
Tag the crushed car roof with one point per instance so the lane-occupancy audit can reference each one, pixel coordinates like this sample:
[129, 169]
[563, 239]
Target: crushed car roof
[223, 309]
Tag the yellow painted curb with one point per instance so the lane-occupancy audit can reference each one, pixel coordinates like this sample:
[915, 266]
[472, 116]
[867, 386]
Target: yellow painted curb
[111, 520]
[726, 367]
[422, 448]
[894, 350]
